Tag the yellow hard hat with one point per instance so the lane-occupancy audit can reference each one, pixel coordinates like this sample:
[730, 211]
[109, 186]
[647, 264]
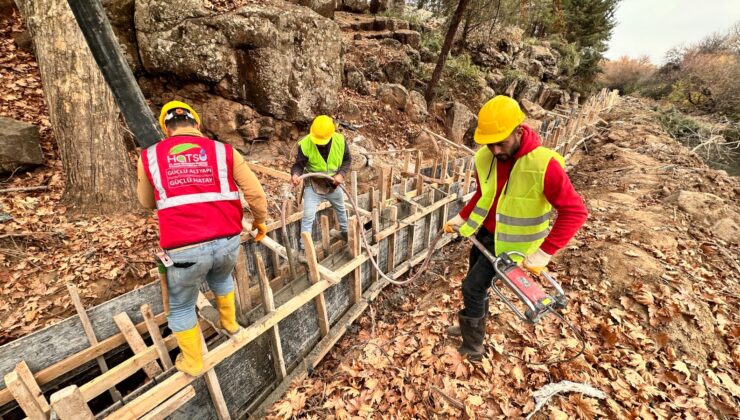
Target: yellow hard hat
[169, 106]
[497, 119]
[322, 128]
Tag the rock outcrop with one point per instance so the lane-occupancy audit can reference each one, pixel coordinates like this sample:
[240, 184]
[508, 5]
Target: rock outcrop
[284, 60]
[459, 121]
[19, 145]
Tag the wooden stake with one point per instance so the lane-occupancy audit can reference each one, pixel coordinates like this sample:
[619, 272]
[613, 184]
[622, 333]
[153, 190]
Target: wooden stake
[353, 188]
[241, 281]
[313, 276]
[26, 397]
[134, 340]
[355, 244]
[156, 335]
[325, 238]
[214, 388]
[269, 304]
[171, 405]
[90, 334]
[392, 241]
[69, 404]
[372, 204]
[445, 163]
[417, 169]
[419, 185]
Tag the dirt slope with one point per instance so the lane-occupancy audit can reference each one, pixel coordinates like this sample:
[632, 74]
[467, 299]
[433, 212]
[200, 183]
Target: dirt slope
[653, 289]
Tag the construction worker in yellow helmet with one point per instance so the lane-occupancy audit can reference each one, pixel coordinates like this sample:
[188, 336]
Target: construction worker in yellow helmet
[519, 182]
[194, 184]
[323, 150]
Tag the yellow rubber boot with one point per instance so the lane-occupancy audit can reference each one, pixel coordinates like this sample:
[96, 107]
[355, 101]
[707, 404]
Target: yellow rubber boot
[190, 359]
[227, 310]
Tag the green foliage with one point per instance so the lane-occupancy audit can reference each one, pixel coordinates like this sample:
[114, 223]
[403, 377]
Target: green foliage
[569, 56]
[432, 40]
[678, 124]
[411, 19]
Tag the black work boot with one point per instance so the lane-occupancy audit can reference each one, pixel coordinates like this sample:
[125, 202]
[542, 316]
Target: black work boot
[473, 331]
[345, 237]
[454, 330]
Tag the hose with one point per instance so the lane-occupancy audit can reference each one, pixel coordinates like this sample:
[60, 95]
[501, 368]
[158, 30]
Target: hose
[430, 253]
[365, 243]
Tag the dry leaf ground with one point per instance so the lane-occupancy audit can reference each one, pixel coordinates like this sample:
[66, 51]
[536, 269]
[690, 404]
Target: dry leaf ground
[653, 290]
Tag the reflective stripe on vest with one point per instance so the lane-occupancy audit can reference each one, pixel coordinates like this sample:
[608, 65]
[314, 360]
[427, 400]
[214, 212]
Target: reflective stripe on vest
[522, 212]
[316, 162]
[165, 202]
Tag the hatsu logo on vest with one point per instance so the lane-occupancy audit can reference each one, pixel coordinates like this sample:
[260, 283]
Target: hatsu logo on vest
[177, 156]
[188, 169]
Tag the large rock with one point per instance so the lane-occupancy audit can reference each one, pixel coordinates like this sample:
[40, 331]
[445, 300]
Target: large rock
[383, 5]
[458, 121]
[543, 54]
[416, 107]
[283, 60]
[19, 145]
[727, 230]
[393, 94]
[705, 208]
[408, 37]
[355, 80]
[228, 121]
[323, 7]
[357, 6]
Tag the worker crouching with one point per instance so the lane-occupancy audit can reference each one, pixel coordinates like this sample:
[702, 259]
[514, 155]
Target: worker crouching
[194, 183]
[519, 182]
[323, 151]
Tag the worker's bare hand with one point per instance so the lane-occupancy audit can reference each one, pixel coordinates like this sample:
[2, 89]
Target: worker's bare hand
[338, 179]
[295, 181]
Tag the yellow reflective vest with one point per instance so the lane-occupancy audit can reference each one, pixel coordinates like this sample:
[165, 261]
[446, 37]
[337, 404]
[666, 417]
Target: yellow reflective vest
[522, 212]
[316, 162]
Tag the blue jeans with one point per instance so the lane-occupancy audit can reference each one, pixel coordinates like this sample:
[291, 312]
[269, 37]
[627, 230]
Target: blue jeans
[311, 201]
[213, 261]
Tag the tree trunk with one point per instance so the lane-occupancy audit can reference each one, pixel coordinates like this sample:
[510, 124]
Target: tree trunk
[454, 23]
[99, 174]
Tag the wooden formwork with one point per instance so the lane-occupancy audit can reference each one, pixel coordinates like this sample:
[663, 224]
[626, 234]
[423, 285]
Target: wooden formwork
[292, 320]
[291, 323]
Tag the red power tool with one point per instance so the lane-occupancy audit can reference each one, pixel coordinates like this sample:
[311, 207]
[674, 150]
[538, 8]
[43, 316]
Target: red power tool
[527, 289]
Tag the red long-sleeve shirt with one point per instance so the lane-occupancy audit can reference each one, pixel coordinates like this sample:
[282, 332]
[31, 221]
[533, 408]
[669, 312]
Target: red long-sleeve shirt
[571, 212]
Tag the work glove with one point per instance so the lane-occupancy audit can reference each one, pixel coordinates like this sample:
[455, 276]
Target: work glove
[537, 261]
[338, 179]
[294, 180]
[261, 229]
[454, 224]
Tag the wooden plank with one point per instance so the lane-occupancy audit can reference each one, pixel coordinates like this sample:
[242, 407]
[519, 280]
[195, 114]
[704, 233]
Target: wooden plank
[325, 236]
[392, 240]
[156, 335]
[241, 282]
[371, 200]
[269, 171]
[171, 405]
[324, 272]
[383, 184]
[214, 388]
[417, 168]
[313, 276]
[60, 368]
[69, 404]
[24, 396]
[26, 376]
[353, 190]
[275, 259]
[90, 334]
[355, 244]
[147, 401]
[134, 340]
[419, 184]
[269, 304]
